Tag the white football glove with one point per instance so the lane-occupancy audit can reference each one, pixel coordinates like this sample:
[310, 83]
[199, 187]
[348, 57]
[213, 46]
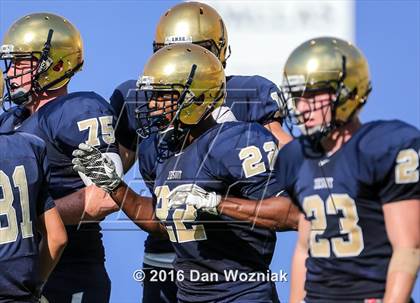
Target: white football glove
[196, 196]
[43, 300]
[96, 166]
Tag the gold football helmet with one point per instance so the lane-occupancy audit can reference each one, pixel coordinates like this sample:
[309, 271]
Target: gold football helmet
[52, 45]
[189, 78]
[332, 65]
[193, 22]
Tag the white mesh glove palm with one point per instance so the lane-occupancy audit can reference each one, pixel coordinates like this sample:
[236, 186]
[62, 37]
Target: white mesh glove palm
[43, 300]
[192, 194]
[99, 168]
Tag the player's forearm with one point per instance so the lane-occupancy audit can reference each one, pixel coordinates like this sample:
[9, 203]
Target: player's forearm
[139, 209]
[276, 129]
[402, 221]
[402, 271]
[128, 157]
[50, 253]
[399, 286]
[71, 207]
[53, 242]
[277, 213]
[298, 277]
[87, 204]
[297, 286]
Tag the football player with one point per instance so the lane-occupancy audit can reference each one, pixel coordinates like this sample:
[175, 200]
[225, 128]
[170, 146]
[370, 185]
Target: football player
[184, 83]
[41, 52]
[32, 235]
[356, 184]
[249, 98]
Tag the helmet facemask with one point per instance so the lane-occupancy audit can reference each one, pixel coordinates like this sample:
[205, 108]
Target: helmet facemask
[164, 102]
[157, 113]
[15, 93]
[301, 109]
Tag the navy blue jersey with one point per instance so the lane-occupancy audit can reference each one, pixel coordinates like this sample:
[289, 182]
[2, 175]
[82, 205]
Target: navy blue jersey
[342, 196]
[124, 102]
[253, 99]
[233, 158]
[24, 197]
[64, 123]
[13, 118]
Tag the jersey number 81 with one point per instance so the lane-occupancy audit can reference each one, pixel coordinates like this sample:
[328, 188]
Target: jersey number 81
[10, 233]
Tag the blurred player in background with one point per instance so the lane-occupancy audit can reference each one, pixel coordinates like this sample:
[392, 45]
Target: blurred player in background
[356, 184]
[41, 52]
[249, 99]
[32, 235]
[184, 83]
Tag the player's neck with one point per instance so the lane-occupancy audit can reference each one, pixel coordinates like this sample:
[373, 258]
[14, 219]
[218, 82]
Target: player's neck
[200, 128]
[44, 98]
[340, 136]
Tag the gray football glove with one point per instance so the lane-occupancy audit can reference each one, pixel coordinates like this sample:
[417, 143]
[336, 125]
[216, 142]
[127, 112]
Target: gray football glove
[99, 168]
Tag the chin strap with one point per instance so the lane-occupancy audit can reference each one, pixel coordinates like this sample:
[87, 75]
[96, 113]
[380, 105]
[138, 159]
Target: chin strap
[21, 97]
[45, 63]
[183, 95]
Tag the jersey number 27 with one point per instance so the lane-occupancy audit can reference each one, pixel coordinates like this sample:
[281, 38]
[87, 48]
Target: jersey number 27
[253, 164]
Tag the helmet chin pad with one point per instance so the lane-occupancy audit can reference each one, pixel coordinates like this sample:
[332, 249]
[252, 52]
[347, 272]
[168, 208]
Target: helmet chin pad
[21, 97]
[310, 131]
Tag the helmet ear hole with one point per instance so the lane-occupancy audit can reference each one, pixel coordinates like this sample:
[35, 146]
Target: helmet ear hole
[59, 66]
[199, 100]
[353, 94]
